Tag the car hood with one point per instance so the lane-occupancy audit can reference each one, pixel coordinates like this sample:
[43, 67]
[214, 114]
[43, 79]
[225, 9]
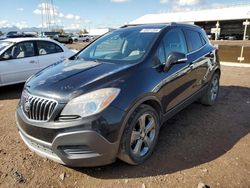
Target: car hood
[65, 80]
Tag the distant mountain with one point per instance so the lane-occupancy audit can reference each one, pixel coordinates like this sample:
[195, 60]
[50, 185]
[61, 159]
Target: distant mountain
[36, 29]
[30, 29]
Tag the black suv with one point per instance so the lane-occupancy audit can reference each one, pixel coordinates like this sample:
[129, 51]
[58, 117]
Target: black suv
[109, 100]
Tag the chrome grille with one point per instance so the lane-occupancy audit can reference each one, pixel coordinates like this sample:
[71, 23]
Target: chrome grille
[37, 108]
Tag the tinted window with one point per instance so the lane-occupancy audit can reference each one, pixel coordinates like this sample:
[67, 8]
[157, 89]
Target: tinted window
[48, 48]
[174, 41]
[194, 40]
[203, 40]
[20, 50]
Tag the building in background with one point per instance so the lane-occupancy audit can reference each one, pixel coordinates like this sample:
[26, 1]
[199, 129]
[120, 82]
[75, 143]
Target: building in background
[226, 23]
[99, 32]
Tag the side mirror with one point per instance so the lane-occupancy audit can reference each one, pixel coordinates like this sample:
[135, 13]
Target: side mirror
[174, 58]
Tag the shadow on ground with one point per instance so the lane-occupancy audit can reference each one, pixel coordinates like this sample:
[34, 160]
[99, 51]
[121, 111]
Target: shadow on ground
[11, 92]
[195, 136]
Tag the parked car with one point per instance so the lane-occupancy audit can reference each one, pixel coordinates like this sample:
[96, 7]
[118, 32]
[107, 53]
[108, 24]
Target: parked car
[84, 38]
[75, 38]
[22, 35]
[22, 57]
[110, 99]
[15, 34]
[10, 33]
[49, 34]
[64, 38]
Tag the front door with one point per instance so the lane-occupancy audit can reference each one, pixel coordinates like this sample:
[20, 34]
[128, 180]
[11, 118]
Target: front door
[176, 84]
[18, 63]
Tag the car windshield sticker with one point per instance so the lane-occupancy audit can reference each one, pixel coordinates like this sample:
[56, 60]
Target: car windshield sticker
[150, 30]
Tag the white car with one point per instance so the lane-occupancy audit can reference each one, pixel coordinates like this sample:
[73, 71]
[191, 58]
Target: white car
[84, 38]
[20, 58]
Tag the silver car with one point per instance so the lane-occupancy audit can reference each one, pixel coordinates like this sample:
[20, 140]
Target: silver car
[22, 57]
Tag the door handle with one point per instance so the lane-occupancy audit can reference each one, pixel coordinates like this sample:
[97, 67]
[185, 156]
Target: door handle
[32, 61]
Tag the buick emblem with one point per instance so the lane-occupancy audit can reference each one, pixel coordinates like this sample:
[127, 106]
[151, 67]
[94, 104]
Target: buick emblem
[26, 103]
[27, 106]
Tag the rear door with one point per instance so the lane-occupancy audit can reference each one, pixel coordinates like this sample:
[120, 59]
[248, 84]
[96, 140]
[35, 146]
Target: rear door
[18, 63]
[201, 56]
[49, 53]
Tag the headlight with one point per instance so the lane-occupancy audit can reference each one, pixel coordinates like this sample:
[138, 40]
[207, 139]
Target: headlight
[90, 103]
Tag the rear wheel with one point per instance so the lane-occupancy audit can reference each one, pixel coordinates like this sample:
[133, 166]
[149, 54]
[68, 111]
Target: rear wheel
[140, 135]
[70, 41]
[212, 93]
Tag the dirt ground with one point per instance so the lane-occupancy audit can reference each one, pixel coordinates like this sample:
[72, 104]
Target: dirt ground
[77, 45]
[200, 144]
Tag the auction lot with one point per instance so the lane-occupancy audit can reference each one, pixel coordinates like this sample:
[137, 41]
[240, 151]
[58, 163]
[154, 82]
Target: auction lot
[200, 144]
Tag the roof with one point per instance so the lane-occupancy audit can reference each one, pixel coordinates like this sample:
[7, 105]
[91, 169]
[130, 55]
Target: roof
[160, 26]
[13, 40]
[219, 14]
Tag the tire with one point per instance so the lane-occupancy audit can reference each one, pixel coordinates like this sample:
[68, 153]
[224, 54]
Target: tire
[137, 149]
[70, 41]
[211, 95]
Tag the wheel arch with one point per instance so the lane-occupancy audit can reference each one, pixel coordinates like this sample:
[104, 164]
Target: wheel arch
[217, 70]
[150, 100]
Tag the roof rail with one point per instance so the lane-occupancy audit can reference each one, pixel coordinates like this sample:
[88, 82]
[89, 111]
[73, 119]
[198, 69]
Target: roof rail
[129, 25]
[173, 23]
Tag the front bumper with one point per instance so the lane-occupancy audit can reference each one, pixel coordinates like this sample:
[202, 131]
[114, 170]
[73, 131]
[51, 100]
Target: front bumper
[76, 146]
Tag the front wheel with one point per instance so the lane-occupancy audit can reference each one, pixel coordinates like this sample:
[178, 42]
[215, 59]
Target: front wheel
[140, 135]
[212, 93]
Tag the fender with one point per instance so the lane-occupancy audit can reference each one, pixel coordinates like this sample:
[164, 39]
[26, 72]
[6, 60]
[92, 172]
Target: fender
[134, 105]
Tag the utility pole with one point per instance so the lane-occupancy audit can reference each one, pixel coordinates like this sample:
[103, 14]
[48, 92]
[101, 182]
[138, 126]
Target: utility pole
[48, 14]
[246, 23]
[241, 58]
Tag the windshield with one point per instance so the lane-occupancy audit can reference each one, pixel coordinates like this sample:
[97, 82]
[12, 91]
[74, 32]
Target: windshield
[4, 44]
[126, 45]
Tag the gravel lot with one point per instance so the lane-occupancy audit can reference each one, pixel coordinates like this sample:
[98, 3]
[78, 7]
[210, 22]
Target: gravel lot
[200, 144]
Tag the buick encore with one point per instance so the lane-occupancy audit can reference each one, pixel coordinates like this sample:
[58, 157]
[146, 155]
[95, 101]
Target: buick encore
[110, 100]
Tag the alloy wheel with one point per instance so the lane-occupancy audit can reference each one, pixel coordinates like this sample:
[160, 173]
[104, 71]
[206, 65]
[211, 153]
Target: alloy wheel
[143, 135]
[214, 89]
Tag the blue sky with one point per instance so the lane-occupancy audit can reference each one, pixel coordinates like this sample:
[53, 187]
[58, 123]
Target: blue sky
[94, 13]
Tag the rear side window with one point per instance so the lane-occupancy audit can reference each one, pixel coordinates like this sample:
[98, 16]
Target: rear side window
[203, 40]
[45, 48]
[194, 39]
